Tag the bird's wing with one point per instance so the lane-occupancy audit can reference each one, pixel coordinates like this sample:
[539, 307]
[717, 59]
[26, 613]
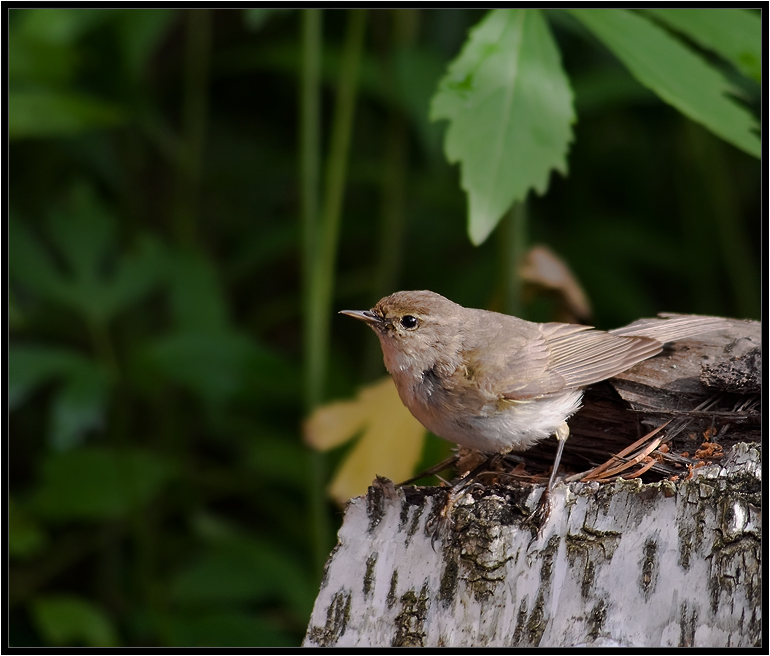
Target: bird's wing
[520, 368]
[568, 356]
[578, 356]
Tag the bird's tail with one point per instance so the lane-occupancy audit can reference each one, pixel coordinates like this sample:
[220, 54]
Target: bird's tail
[669, 327]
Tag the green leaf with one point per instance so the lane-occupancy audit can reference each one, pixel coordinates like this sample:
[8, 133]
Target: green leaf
[98, 284]
[30, 264]
[84, 233]
[139, 33]
[136, 274]
[60, 25]
[510, 109]
[86, 236]
[50, 113]
[239, 568]
[268, 372]
[37, 62]
[80, 406]
[25, 537]
[273, 457]
[228, 627]
[674, 72]
[69, 620]
[31, 366]
[204, 354]
[256, 17]
[16, 319]
[217, 365]
[98, 483]
[197, 299]
[733, 33]
[211, 364]
[222, 576]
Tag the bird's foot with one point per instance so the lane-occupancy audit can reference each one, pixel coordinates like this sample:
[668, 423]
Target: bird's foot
[542, 512]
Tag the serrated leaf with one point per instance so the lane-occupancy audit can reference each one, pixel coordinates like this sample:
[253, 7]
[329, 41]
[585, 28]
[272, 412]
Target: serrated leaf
[674, 72]
[734, 33]
[390, 445]
[509, 105]
[98, 483]
[69, 620]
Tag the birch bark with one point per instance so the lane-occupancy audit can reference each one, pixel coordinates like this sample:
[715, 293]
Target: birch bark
[625, 564]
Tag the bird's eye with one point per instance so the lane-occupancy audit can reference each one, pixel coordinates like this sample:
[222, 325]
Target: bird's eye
[409, 322]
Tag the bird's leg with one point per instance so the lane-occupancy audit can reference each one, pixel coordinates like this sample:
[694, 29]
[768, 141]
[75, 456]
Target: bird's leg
[562, 433]
[543, 510]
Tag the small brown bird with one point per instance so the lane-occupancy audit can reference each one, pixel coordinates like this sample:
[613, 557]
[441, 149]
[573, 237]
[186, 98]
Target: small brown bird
[497, 383]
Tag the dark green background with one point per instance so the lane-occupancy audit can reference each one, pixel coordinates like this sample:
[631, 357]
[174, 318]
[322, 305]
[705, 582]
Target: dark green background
[158, 484]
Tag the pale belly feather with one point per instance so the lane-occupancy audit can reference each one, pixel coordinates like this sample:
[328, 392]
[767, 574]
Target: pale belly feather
[500, 427]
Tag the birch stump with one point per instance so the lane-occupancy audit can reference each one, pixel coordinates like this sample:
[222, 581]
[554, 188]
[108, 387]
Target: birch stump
[629, 563]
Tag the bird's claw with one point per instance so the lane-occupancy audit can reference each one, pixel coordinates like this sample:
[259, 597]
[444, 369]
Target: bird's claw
[542, 512]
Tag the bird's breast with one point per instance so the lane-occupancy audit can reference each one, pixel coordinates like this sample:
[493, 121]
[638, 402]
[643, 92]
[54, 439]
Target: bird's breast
[460, 411]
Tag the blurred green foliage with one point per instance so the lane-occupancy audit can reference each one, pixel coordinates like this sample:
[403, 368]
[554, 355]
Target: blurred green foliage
[158, 485]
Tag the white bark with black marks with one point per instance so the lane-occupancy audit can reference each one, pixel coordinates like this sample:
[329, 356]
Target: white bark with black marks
[624, 564]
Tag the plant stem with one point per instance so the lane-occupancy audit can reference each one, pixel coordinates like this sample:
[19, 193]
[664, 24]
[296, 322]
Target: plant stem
[394, 183]
[321, 282]
[310, 118]
[395, 165]
[320, 236]
[310, 93]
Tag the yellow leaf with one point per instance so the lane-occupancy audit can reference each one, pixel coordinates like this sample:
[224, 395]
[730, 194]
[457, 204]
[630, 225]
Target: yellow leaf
[390, 446]
[334, 423]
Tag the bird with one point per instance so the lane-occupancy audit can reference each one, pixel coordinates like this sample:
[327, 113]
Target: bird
[497, 383]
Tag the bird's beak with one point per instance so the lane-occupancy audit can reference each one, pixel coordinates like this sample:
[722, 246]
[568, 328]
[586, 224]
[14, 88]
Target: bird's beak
[363, 315]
